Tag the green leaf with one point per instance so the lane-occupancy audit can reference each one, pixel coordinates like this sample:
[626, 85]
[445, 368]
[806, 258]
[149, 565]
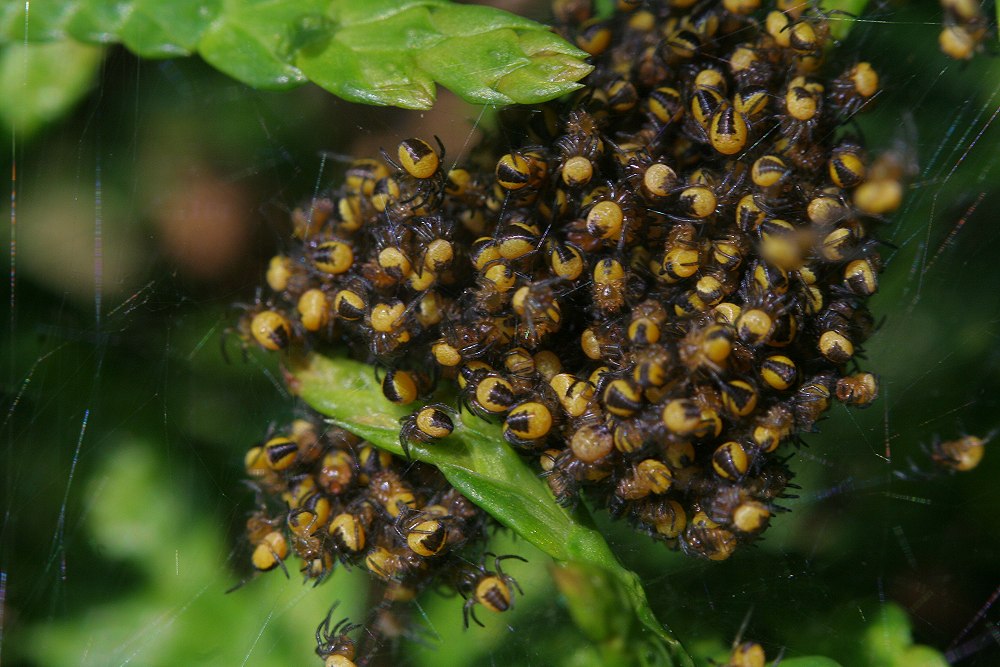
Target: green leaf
[46, 21]
[411, 26]
[384, 78]
[452, 61]
[99, 22]
[252, 40]
[919, 655]
[353, 12]
[586, 586]
[542, 79]
[843, 15]
[40, 82]
[870, 633]
[469, 20]
[157, 29]
[595, 601]
[810, 661]
[889, 641]
[887, 636]
[604, 8]
[378, 52]
[478, 462]
[509, 67]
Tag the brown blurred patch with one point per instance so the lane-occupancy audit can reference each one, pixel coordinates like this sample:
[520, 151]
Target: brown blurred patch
[205, 224]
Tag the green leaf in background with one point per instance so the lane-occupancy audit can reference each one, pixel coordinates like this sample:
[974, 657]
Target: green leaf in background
[868, 633]
[180, 614]
[387, 53]
[888, 640]
[478, 462]
[810, 661]
[595, 601]
[843, 14]
[40, 82]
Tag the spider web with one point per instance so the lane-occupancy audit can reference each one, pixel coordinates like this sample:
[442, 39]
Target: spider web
[135, 223]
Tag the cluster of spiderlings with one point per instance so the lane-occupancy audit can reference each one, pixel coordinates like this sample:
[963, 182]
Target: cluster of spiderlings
[663, 284]
[965, 28]
[330, 497]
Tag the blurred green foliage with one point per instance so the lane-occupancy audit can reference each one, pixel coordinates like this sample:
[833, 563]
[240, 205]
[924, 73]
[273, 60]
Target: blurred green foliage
[42, 82]
[123, 427]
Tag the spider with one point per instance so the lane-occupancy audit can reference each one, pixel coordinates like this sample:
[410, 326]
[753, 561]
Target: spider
[423, 179]
[332, 643]
[262, 324]
[491, 589]
[431, 422]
